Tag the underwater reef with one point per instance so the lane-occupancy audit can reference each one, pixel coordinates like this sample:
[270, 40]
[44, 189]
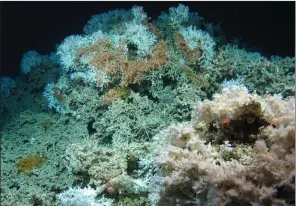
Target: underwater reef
[137, 112]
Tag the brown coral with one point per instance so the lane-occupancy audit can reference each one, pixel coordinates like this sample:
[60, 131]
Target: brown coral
[190, 54]
[155, 30]
[114, 60]
[106, 57]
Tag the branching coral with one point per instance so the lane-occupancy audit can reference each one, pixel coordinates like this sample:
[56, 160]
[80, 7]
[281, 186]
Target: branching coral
[198, 39]
[190, 54]
[128, 77]
[114, 60]
[275, 75]
[200, 157]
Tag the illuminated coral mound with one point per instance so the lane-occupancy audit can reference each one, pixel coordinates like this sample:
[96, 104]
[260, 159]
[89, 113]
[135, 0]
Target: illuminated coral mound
[238, 149]
[128, 104]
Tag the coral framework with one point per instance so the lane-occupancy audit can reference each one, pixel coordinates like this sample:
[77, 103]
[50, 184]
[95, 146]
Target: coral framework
[162, 112]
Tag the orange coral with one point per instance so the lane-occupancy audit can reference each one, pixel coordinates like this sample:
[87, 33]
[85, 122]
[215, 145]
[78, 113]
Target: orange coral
[106, 57]
[30, 162]
[133, 70]
[159, 57]
[114, 60]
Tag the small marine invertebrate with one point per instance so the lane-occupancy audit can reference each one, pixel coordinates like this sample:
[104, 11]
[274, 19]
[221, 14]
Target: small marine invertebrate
[115, 93]
[30, 162]
[110, 96]
[191, 75]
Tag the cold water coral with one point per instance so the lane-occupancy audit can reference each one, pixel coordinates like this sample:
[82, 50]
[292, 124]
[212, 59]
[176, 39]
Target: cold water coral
[149, 112]
[242, 160]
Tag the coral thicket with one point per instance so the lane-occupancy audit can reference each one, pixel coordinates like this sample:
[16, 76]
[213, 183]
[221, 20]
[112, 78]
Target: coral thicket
[249, 158]
[137, 111]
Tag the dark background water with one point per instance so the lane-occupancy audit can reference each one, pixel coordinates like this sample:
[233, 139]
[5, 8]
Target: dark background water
[266, 27]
